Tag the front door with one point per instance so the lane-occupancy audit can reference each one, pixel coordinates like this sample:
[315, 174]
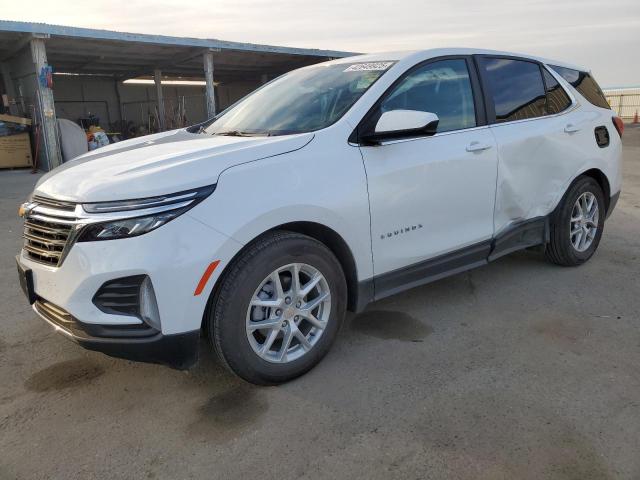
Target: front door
[431, 195]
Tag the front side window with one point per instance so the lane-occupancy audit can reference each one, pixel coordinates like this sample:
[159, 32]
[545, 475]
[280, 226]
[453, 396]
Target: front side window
[301, 101]
[557, 98]
[516, 88]
[585, 84]
[442, 87]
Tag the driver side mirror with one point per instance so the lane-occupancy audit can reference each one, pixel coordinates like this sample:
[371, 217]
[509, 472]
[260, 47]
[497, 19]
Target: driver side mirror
[402, 124]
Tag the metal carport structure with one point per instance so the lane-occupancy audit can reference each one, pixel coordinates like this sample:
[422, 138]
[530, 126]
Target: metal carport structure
[27, 49]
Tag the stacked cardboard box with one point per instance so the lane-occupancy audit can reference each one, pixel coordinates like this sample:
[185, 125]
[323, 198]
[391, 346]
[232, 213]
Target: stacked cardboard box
[15, 145]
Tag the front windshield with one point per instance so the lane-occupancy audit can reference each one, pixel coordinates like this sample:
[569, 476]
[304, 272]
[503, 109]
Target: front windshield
[300, 101]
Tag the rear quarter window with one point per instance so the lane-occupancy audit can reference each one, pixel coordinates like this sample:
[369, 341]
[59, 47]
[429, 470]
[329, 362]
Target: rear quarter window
[516, 88]
[585, 84]
[557, 98]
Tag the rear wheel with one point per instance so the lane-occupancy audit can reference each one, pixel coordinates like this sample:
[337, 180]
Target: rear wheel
[278, 309]
[577, 224]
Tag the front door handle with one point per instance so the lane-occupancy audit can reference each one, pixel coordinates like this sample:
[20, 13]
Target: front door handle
[571, 128]
[478, 147]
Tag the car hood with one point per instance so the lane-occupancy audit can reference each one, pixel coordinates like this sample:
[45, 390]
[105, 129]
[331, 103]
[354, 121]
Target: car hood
[158, 164]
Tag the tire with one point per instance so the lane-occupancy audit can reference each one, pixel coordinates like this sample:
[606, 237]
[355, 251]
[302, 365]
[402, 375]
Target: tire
[232, 313]
[561, 248]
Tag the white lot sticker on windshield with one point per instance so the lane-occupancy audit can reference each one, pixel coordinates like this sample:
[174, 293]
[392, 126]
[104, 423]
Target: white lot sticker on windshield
[368, 67]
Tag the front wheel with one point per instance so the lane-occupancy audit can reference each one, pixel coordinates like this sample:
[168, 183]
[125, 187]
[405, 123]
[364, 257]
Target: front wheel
[278, 309]
[577, 224]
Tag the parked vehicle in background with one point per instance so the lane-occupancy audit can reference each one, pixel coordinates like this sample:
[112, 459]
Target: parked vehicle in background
[330, 187]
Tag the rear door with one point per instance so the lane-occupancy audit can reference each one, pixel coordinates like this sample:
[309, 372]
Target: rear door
[538, 132]
[434, 194]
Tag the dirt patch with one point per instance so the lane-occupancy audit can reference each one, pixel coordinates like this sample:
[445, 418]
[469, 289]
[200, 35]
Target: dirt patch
[231, 411]
[490, 435]
[567, 331]
[69, 374]
[389, 325]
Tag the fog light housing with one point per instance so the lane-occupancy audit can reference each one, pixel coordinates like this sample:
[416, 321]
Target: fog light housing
[133, 296]
[148, 304]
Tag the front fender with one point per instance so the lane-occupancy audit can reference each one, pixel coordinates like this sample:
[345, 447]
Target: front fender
[302, 186]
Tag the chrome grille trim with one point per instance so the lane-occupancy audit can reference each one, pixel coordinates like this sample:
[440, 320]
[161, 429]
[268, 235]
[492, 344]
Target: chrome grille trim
[56, 204]
[42, 240]
[53, 312]
[48, 229]
[45, 229]
[55, 213]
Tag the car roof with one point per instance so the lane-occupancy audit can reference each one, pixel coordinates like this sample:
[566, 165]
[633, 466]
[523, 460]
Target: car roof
[420, 55]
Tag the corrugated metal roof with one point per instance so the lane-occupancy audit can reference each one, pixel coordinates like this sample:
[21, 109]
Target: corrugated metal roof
[90, 33]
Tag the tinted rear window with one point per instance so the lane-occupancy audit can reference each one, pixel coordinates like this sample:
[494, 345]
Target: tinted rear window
[585, 84]
[557, 98]
[516, 87]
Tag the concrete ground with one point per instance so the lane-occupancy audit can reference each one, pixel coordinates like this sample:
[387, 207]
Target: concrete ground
[519, 369]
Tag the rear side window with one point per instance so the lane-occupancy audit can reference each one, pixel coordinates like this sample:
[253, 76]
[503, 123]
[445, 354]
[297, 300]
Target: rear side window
[557, 98]
[585, 84]
[516, 88]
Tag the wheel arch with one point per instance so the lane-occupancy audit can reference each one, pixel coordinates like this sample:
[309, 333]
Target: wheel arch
[338, 246]
[602, 180]
[357, 296]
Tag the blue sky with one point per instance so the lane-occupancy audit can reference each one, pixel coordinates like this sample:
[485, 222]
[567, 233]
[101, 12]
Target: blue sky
[604, 36]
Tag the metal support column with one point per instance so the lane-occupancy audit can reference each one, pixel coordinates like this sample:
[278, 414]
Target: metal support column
[45, 107]
[157, 78]
[211, 93]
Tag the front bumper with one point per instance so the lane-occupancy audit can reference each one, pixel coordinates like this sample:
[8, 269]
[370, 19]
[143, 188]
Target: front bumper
[139, 343]
[174, 257]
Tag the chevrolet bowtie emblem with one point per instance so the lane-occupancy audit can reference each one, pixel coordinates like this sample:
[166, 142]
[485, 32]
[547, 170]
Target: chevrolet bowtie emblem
[24, 209]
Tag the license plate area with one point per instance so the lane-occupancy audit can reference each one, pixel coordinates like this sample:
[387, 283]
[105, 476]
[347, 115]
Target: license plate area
[25, 276]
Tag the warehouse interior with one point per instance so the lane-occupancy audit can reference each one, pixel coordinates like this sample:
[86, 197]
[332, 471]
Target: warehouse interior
[120, 85]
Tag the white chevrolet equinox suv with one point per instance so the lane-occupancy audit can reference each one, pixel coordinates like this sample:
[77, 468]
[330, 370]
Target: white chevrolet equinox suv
[327, 188]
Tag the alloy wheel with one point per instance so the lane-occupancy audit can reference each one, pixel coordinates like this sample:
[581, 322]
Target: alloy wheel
[584, 221]
[288, 313]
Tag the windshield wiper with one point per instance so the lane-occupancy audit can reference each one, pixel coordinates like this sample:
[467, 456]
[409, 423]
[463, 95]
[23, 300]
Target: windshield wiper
[237, 133]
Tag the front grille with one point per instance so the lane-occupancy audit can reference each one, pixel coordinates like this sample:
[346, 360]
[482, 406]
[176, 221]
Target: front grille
[48, 227]
[45, 241]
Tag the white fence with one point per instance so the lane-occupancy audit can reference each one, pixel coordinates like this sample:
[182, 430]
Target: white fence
[625, 102]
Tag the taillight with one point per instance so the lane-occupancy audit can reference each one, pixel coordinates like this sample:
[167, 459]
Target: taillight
[617, 122]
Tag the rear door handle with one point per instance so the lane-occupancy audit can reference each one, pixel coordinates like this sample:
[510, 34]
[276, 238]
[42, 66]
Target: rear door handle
[571, 128]
[477, 146]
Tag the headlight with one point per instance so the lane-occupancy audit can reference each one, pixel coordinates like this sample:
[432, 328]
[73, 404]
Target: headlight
[131, 227]
[130, 218]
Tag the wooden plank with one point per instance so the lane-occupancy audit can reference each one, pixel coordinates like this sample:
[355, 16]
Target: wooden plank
[14, 119]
